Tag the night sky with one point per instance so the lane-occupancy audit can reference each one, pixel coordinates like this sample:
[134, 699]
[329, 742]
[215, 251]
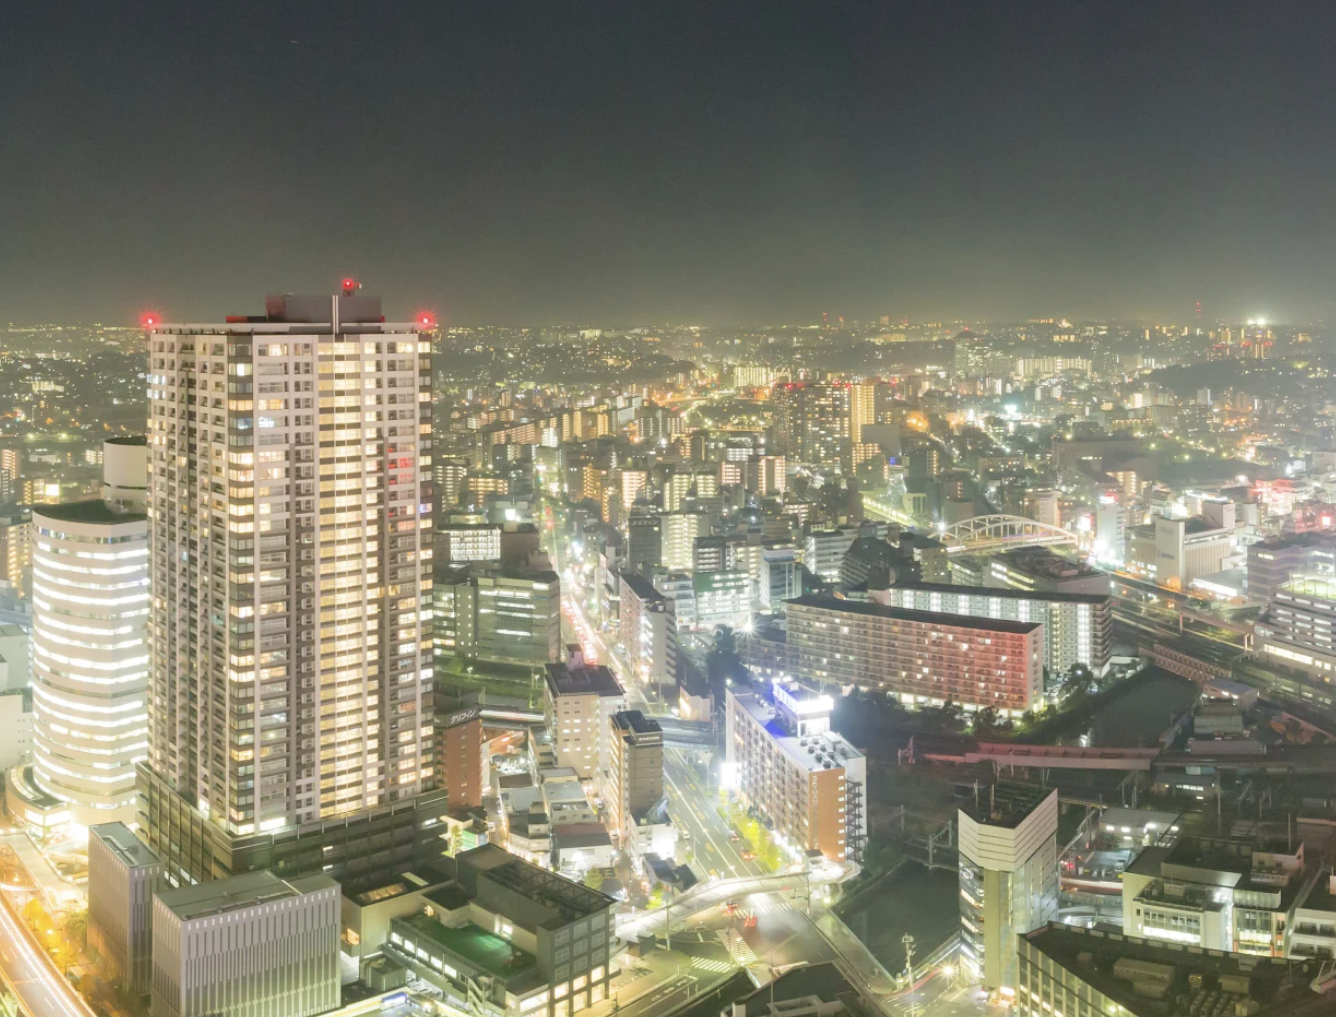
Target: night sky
[721, 162]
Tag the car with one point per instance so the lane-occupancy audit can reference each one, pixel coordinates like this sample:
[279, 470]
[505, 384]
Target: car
[734, 837]
[750, 923]
[748, 856]
[730, 906]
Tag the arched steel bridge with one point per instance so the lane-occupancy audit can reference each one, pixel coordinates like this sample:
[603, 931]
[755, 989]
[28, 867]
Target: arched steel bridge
[992, 533]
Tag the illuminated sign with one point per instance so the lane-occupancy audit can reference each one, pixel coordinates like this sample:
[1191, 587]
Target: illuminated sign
[802, 707]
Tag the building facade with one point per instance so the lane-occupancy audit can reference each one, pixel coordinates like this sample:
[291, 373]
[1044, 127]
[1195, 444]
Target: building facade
[635, 771]
[123, 875]
[249, 946]
[1008, 876]
[290, 524]
[90, 661]
[1078, 627]
[921, 657]
[578, 702]
[787, 763]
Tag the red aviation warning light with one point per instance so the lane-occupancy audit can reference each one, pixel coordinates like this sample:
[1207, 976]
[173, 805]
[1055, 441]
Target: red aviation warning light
[426, 320]
[149, 320]
[350, 286]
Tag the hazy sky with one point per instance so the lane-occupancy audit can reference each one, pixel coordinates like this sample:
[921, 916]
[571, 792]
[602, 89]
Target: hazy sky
[725, 161]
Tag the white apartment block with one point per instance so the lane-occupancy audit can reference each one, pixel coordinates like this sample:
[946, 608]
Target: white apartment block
[291, 563]
[786, 762]
[578, 705]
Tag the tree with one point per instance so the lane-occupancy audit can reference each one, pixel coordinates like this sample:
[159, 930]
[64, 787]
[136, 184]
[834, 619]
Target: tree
[1079, 681]
[985, 722]
[76, 927]
[594, 879]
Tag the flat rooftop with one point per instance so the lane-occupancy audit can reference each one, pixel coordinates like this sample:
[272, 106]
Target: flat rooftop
[122, 841]
[95, 511]
[1006, 593]
[1319, 587]
[1091, 956]
[483, 950]
[1004, 804]
[591, 679]
[636, 721]
[813, 752]
[252, 889]
[938, 618]
[1043, 561]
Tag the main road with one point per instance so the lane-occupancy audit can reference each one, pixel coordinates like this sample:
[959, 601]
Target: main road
[30, 974]
[692, 805]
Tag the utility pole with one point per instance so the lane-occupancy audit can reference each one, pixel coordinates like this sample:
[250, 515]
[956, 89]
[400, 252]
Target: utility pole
[912, 1009]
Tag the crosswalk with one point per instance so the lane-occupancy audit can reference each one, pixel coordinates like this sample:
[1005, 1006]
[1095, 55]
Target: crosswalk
[768, 907]
[714, 967]
[736, 946]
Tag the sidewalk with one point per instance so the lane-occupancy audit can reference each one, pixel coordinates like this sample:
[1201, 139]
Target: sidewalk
[662, 965]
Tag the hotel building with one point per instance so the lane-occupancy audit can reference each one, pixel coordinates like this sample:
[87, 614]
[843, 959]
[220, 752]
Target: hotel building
[921, 657]
[807, 780]
[290, 524]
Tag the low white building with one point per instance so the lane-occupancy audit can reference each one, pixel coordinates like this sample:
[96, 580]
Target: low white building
[250, 946]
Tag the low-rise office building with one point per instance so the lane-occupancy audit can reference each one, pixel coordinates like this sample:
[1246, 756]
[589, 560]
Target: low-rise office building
[507, 937]
[787, 763]
[1075, 972]
[249, 946]
[1042, 570]
[1297, 629]
[512, 616]
[123, 875]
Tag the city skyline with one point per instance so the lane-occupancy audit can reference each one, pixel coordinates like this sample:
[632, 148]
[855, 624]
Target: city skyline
[691, 164]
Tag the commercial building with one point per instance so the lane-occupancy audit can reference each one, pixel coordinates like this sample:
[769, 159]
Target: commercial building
[787, 763]
[465, 543]
[1174, 552]
[1078, 627]
[648, 630]
[123, 875]
[1273, 562]
[824, 550]
[512, 616]
[1043, 570]
[16, 725]
[767, 475]
[1297, 628]
[299, 620]
[1217, 893]
[1008, 876]
[579, 700]
[14, 669]
[509, 937]
[463, 757]
[635, 771]
[1068, 970]
[250, 946]
[921, 657]
[780, 579]
[15, 553]
[90, 662]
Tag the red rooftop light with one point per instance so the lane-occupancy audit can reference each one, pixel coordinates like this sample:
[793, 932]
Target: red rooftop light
[148, 320]
[350, 285]
[426, 320]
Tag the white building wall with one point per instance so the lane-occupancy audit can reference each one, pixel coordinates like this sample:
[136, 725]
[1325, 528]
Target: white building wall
[90, 662]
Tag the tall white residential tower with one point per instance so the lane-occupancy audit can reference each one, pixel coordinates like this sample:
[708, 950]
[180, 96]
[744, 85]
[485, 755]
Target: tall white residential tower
[290, 517]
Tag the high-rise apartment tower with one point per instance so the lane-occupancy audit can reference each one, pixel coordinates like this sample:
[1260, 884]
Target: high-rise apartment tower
[290, 519]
